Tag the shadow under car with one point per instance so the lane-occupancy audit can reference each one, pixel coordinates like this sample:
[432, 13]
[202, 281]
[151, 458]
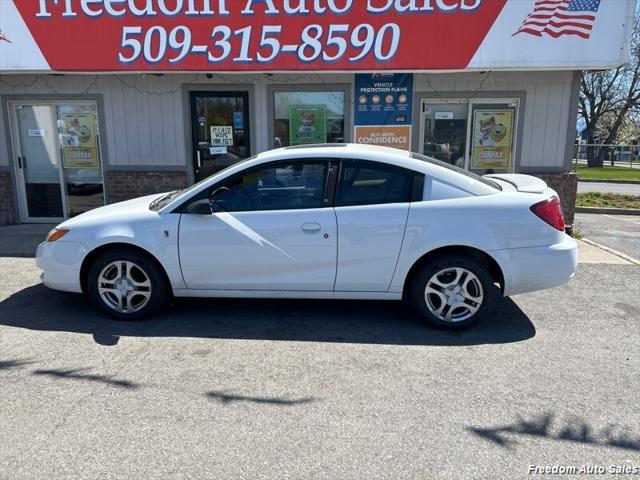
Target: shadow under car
[346, 321]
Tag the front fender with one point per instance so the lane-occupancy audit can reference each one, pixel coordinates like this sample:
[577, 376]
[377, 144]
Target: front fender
[156, 235]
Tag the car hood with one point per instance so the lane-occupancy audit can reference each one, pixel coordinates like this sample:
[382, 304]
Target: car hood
[129, 210]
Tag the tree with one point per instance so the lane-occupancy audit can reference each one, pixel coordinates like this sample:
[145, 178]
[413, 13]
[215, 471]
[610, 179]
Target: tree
[609, 100]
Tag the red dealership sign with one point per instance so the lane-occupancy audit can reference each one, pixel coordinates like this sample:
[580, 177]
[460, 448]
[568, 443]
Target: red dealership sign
[290, 35]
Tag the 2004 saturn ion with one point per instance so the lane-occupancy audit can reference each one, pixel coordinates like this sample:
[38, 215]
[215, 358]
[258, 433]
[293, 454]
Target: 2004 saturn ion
[324, 221]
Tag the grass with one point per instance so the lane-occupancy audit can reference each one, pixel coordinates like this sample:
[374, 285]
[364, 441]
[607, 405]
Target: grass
[577, 233]
[609, 173]
[607, 200]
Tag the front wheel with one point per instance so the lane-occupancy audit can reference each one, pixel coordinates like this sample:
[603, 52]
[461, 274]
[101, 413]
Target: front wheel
[453, 292]
[127, 285]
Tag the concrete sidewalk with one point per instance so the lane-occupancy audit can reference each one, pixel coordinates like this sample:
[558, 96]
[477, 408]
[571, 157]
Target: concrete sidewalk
[604, 187]
[589, 253]
[22, 240]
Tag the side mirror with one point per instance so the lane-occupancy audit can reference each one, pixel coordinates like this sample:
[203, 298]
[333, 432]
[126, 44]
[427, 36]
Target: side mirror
[215, 205]
[218, 191]
[200, 207]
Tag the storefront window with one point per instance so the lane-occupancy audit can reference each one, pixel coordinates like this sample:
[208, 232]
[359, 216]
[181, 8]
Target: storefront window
[305, 117]
[478, 135]
[445, 131]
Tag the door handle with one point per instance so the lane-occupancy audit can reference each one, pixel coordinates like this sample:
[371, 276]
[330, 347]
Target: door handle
[311, 227]
[199, 160]
[20, 163]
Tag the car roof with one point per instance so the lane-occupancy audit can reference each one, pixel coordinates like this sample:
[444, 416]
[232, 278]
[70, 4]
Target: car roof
[392, 156]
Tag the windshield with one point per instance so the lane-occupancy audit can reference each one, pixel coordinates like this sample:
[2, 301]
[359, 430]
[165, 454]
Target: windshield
[459, 170]
[164, 200]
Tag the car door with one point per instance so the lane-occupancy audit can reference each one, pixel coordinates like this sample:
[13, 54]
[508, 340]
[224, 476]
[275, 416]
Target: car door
[372, 206]
[271, 229]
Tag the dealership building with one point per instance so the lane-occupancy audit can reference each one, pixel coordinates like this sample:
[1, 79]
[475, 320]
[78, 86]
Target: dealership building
[104, 100]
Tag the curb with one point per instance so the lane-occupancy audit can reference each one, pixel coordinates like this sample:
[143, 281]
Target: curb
[624, 256]
[610, 211]
[595, 180]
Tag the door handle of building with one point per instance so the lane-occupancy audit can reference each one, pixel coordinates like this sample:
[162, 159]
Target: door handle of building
[311, 227]
[20, 163]
[199, 160]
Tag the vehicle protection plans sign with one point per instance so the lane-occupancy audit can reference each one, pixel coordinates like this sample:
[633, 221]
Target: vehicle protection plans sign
[311, 35]
[383, 109]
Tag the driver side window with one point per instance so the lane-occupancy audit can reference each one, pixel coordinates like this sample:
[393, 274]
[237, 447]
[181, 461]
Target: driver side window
[283, 186]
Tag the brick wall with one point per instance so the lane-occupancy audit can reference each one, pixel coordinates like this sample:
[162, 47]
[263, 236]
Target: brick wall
[566, 184]
[123, 185]
[7, 207]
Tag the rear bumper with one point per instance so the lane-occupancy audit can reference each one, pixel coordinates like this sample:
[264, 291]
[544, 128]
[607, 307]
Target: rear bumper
[61, 262]
[537, 268]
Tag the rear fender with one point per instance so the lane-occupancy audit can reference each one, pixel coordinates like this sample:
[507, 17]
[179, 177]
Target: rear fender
[490, 223]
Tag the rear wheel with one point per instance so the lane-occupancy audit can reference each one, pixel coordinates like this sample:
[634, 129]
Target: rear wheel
[127, 285]
[453, 292]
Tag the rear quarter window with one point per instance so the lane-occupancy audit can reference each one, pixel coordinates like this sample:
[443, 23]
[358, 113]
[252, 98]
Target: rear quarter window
[460, 178]
[436, 190]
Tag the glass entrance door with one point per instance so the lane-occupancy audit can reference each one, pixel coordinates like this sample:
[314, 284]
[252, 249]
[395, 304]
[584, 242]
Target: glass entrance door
[57, 159]
[38, 162]
[220, 126]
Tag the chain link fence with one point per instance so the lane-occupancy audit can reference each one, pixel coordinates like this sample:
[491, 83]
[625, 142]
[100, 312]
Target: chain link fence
[614, 185]
[624, 156]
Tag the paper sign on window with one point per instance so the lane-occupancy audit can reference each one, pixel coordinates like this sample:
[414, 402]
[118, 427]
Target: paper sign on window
[492, 139]
[79, 143]
[222, 136]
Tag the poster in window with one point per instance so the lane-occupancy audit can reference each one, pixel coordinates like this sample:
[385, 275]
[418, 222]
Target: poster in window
[492, 139]
[307, 124]
[383, 110]
[396, 136]
[384, 99]
[79, 143]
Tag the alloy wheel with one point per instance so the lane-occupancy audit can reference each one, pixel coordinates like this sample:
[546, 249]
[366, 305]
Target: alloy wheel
[124, 286]
[454, 294]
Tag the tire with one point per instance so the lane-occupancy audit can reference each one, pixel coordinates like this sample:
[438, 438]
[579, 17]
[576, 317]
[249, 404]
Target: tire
[460, 292]
[126, 284]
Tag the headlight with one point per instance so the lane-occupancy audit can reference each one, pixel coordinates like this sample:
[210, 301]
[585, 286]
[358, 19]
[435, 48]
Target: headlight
[56, 234]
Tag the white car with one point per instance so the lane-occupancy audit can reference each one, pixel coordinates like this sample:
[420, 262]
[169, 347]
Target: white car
[338, 221]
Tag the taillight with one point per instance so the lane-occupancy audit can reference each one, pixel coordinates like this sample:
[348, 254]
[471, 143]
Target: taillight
[551, 212]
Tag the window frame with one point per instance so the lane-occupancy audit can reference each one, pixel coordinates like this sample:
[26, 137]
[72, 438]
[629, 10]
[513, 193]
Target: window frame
[334, 169]
[422, 98]
[346, 88]
[327, 201]
[415, 188]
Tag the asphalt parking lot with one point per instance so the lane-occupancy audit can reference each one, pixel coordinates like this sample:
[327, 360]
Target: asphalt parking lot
[620, 232]
[311, 389]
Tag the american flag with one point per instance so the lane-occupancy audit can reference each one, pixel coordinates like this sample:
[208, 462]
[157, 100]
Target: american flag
[561, 17]
[3, 38]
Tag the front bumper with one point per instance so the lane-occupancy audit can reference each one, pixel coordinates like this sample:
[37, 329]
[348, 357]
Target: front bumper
[61, 262]
[537, 268]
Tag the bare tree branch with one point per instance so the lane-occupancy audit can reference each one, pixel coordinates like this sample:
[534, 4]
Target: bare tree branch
[609, 100]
